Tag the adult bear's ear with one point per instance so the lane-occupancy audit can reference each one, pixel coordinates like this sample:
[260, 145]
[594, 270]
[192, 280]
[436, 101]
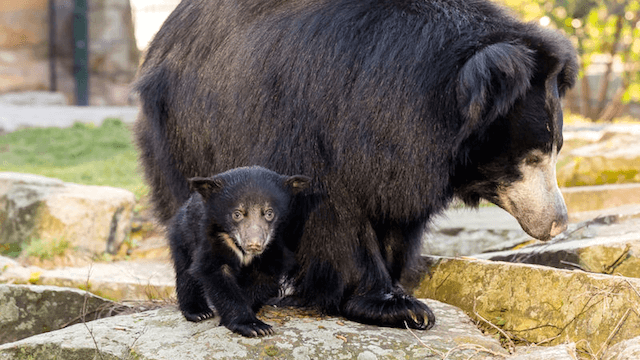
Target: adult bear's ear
[206, 186]
[297, 183]
[490, 82]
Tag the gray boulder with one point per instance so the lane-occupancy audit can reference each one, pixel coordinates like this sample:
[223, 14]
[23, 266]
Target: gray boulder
[626, 350]
[120, 280]
[600, 154]
[29, 310]
[92, 218]
[165, 334]
[608, 244]
[465, 231]
[539, 304]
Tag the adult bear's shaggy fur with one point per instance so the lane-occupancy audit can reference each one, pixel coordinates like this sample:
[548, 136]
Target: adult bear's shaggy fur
[393, 107]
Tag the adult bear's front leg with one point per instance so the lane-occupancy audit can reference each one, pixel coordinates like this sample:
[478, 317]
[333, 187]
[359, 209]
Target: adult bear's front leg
[344, 272]
[378, 298]
[393, 308]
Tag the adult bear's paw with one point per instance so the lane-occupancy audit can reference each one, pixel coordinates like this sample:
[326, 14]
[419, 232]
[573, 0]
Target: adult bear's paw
[250, 328]
[393, 309]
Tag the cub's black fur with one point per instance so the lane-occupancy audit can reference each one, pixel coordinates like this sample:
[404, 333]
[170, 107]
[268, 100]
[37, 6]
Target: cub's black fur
[226, 245]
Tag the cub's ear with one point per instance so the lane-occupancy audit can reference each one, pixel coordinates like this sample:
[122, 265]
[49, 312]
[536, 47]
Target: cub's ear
[206, 186]
[490, 82]
[297, 183]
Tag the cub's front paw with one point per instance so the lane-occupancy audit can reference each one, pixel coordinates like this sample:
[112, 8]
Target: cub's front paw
[252, 328]
[197, 317]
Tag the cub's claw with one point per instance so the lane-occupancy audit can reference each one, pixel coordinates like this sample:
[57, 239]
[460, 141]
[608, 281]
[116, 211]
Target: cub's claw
[254, 328]
[198, 316]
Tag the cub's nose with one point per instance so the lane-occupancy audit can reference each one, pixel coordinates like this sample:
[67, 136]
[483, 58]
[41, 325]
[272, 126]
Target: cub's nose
[254, 247]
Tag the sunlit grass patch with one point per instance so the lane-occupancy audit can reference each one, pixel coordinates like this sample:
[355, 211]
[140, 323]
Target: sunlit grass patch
[83, 154]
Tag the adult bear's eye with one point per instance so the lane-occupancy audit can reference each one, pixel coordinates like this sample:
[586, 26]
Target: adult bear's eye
[533, 160]
[237, 215]
[269, 214]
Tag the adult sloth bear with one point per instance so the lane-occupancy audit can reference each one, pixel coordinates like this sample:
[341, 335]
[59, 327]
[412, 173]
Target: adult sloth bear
[392, 107]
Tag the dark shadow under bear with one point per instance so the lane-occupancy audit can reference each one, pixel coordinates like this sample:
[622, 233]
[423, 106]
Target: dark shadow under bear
[392, 107]
[227, 249]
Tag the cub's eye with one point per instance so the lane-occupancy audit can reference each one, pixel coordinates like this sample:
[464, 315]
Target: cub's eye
[237, 215]
[269, 214]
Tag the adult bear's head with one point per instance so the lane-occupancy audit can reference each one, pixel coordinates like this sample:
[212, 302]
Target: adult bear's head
[509, 96]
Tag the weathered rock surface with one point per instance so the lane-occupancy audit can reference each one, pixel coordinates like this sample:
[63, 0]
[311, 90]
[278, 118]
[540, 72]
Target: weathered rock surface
[558, 352]
[625, 350]
[539, 304]
[6, 263]
[591, 198]
[124, 280]
[34, 98]
[165, 334]
[605, 154]
[617, 255]
[29, 310]
[91, 218]
[465, 231]
[608, 244]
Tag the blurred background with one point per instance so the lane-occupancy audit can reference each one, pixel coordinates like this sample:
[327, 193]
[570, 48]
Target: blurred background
[38, 40]
[58, 228]
[38, 37]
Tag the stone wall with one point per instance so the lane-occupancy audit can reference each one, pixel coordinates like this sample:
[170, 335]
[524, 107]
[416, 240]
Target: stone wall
[24, 48]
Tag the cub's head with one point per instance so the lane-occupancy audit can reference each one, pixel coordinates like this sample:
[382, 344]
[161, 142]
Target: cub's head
[509, 96]
[248, 204]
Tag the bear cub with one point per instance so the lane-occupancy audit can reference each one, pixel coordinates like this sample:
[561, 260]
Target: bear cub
[227, 246]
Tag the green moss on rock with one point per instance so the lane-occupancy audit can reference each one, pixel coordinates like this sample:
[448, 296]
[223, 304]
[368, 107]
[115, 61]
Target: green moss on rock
[538, 304]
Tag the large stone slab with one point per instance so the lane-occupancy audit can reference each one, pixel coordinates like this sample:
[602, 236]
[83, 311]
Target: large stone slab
[625, 350]
[91, 218]
[463, 231]
[558, 352]
[29, 310]
[123, 280]
[608, 244]
[165, 334]
[619, 255]
[466, 231]
[539, 304]
[590, 198]
[600, 154]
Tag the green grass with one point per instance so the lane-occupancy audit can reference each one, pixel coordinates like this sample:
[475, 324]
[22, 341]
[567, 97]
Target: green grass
[83, 154]
[46, 250]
